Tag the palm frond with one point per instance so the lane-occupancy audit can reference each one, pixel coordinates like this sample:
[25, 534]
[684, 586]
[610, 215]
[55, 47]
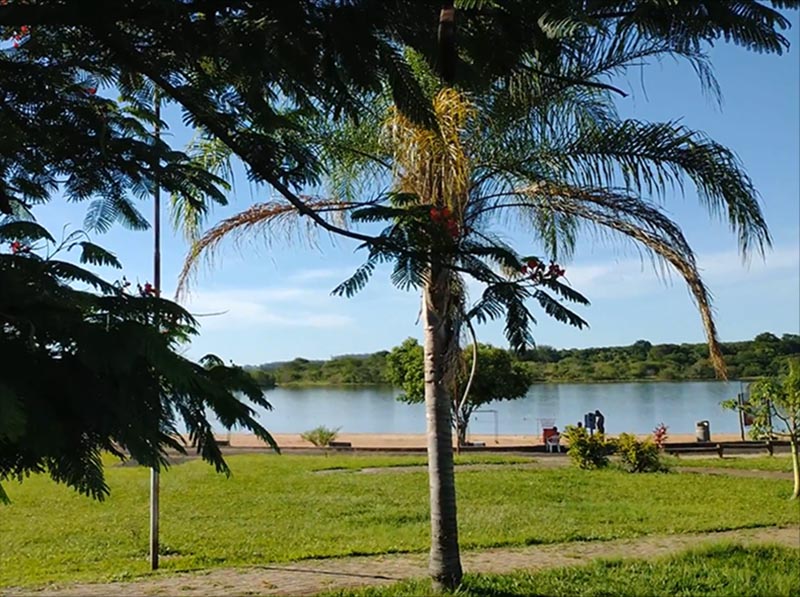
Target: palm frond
[263, 222]
[644, 224]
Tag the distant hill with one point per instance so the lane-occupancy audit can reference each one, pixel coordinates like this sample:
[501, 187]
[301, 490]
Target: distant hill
[641, 361]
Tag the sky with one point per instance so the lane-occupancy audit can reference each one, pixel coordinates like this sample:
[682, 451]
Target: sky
[264, 302]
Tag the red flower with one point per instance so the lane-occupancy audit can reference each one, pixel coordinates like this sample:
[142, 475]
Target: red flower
[533, 263]
[446, 212]
[523, 270]
[91, 90]
[436, 214]
[24, 30]
[16, 247]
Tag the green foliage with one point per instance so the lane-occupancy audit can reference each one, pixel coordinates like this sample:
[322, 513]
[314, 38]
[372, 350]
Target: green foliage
[662, 362]
[721, 570]
[638, 456]
[774, 405]
[264, 379]
[640, 361]
[367, 369]
[498, 376]
[280, 509]
[92, 371]
[588, 451]
[320, 436]
[405, 370]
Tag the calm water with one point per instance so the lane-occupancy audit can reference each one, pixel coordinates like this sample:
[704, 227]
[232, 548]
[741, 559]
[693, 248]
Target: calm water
[633, 407]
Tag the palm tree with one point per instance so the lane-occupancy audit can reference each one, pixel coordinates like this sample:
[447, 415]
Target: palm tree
[538, 152]
[309, 55]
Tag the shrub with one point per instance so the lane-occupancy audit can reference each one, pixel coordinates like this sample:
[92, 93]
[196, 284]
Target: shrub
[588, 451]
[660, 435]
[638, 456]
[321, 436]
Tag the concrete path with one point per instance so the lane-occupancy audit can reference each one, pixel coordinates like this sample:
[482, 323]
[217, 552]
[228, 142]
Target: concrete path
[310, 577]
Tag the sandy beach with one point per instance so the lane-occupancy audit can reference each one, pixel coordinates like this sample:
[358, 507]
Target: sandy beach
[411, 440]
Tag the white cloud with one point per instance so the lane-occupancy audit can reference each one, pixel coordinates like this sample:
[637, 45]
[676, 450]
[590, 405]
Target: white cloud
[327, 274]
[633, 277]
[280, 307]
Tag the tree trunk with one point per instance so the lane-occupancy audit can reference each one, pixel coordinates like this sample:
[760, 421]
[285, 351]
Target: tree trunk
[461, 431]
[795, 469]
[445, 561]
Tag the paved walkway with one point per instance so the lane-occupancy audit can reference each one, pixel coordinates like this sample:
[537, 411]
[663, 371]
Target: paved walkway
[310, 577]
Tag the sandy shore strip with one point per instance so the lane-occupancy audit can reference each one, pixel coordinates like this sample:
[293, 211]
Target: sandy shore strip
[417, 440]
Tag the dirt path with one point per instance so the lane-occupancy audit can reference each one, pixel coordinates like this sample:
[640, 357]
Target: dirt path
[735, 472]
[310, 577]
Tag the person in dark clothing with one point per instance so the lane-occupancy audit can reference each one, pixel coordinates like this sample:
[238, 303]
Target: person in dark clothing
[600, 422]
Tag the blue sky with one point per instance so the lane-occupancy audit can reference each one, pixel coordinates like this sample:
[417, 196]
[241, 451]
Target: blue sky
[276, 299]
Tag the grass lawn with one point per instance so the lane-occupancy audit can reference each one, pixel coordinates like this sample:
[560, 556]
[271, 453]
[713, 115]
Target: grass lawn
[281, 508]
[780, 463]
[720, 570]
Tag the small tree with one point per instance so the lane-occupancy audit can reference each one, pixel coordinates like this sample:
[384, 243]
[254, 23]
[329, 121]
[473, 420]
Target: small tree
[498, 376]
[88, 369]
[320, 436]
[774, 406]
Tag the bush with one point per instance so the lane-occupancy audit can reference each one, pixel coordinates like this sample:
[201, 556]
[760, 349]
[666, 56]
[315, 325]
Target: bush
[660, 435]
[638, 456]
[587, 451]
[321, 436]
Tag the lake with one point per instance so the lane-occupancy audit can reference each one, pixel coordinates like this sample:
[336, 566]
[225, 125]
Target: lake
[632, 407]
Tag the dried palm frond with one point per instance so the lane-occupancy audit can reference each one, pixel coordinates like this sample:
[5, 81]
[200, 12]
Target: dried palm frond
[433, 164]
[646, 225]
[264, 222]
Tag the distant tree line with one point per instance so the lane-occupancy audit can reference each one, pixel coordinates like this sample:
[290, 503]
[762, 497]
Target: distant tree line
[765, 355]
[340, 370]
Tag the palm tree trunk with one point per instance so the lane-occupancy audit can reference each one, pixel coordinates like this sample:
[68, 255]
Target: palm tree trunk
[445, 561]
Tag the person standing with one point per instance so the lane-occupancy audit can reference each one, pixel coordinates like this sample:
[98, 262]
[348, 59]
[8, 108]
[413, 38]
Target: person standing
[600, 422]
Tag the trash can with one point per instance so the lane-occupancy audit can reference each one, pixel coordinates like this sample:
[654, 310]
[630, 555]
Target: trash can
[702, 431]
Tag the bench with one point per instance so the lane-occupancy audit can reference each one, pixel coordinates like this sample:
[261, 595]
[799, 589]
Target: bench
[721, 447]
[340, 445]
[705, 449]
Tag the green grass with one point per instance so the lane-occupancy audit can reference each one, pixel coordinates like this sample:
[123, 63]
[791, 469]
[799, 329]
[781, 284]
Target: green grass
[357, 462]
[721, 570]
[281, 508]
[780, 463]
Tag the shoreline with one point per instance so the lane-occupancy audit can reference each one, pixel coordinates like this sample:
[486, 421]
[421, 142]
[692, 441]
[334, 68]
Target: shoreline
[418, 440]
[541, 382]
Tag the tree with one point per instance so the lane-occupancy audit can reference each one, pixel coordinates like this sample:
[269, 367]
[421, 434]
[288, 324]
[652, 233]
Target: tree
[497, 376]
[88, 372]
[308, 57]
[550, 156]
[774, 405]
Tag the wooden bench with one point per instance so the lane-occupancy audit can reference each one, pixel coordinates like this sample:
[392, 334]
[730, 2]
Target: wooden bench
[700, 449]
[721, 447]
[340, 445]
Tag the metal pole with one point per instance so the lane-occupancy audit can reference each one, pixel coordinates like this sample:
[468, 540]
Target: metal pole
[154, 480]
